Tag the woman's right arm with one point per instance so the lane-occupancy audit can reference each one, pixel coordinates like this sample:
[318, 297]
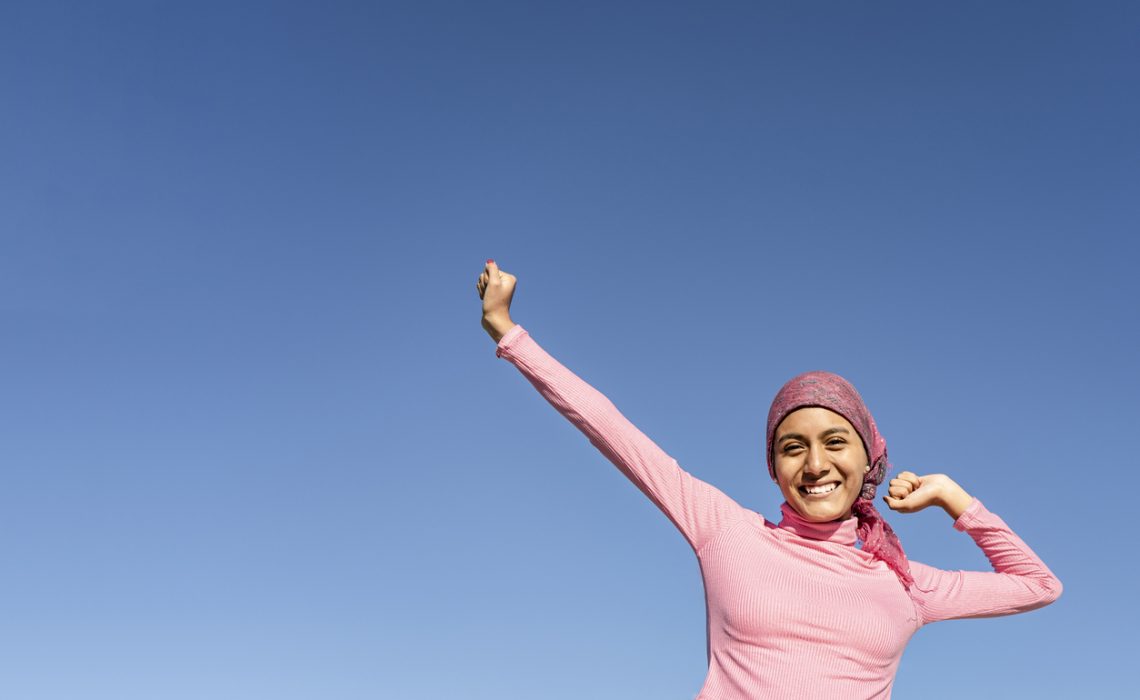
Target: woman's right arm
[699, 510]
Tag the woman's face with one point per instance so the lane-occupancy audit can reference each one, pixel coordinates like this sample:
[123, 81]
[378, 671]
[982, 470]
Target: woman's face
[820, 462]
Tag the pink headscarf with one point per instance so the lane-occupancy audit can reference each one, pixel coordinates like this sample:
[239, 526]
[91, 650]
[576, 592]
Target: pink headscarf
[830, 391]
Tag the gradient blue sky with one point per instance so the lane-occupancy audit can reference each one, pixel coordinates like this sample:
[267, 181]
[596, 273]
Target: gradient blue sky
[254, 443]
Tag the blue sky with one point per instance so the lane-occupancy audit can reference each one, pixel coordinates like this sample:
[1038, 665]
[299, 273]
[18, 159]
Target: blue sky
[254, 443]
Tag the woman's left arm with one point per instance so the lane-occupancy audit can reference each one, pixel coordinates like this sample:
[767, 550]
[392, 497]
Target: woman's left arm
[1019, 582]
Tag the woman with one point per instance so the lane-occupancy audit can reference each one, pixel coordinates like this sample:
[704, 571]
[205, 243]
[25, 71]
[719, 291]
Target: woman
[795, 609]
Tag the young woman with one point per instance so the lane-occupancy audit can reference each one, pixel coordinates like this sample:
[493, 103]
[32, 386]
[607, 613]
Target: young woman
[795, 609]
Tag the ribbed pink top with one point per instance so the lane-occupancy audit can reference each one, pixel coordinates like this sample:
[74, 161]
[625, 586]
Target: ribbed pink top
[795, 610]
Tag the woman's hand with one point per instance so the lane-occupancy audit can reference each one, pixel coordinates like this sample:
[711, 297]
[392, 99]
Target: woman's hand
[910, 493]
[496, 288]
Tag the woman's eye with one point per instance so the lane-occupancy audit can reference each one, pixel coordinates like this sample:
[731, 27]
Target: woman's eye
[792, 448]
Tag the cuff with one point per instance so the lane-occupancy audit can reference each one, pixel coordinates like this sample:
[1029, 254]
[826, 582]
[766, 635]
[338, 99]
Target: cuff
[508, 339]
[969, 516]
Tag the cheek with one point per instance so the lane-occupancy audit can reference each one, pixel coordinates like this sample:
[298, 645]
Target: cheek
[856, 460]
[783, 472]
[787, 490]
[855, 484]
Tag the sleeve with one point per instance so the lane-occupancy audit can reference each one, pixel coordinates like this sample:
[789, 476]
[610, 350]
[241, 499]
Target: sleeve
[699, 510]
[1020, 581]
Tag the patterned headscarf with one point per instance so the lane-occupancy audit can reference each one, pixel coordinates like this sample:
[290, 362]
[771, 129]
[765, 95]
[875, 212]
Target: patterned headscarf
[830, 391]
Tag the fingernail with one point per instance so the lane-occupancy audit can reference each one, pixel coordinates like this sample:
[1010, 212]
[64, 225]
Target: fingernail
[490, 260]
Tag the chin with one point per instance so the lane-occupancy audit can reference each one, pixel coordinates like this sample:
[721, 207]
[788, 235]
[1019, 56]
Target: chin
[817, 517]
[823, 512]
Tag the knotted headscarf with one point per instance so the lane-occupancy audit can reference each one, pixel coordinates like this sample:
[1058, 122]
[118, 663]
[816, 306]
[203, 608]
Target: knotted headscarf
[830, 391]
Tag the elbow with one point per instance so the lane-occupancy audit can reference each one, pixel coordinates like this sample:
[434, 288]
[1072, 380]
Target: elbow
[1053, 589]
[1049, 590]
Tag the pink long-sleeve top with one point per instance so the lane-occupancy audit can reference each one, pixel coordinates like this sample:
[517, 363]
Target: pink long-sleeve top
[795, 610]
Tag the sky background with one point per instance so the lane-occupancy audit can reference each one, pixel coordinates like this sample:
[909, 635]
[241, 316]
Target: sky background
[255, 444]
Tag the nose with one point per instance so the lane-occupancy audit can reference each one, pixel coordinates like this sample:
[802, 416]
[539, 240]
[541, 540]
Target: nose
[816, 463]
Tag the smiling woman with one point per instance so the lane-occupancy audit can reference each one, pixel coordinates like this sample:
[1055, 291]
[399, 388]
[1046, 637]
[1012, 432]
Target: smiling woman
[820, 463]
[795, 609]
[833, 475]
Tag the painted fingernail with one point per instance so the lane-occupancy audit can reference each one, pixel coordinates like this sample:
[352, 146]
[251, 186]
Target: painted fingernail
[490, 260]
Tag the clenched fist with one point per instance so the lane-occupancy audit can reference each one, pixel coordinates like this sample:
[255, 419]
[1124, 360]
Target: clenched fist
[496, 288]
[910, 493]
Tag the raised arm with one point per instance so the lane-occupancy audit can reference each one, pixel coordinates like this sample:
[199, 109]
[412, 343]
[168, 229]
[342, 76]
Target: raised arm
[699, 510]
[1019, 582]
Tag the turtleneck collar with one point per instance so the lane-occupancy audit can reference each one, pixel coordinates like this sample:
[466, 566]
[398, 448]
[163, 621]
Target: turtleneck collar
[837, 531]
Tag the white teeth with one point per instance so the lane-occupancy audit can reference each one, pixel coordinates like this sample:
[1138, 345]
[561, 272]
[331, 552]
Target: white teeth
[816, 490]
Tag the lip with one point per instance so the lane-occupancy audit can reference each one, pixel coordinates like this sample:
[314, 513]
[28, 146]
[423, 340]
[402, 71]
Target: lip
[819, 496]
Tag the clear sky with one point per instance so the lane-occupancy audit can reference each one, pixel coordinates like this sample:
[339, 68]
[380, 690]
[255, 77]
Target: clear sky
[255, 444]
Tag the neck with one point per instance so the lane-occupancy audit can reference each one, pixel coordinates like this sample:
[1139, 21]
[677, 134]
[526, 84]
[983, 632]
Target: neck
[840, 531]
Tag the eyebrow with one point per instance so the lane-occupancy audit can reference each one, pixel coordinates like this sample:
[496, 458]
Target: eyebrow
[826, 433]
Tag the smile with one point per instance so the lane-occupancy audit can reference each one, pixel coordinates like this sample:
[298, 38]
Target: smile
[819, 489]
